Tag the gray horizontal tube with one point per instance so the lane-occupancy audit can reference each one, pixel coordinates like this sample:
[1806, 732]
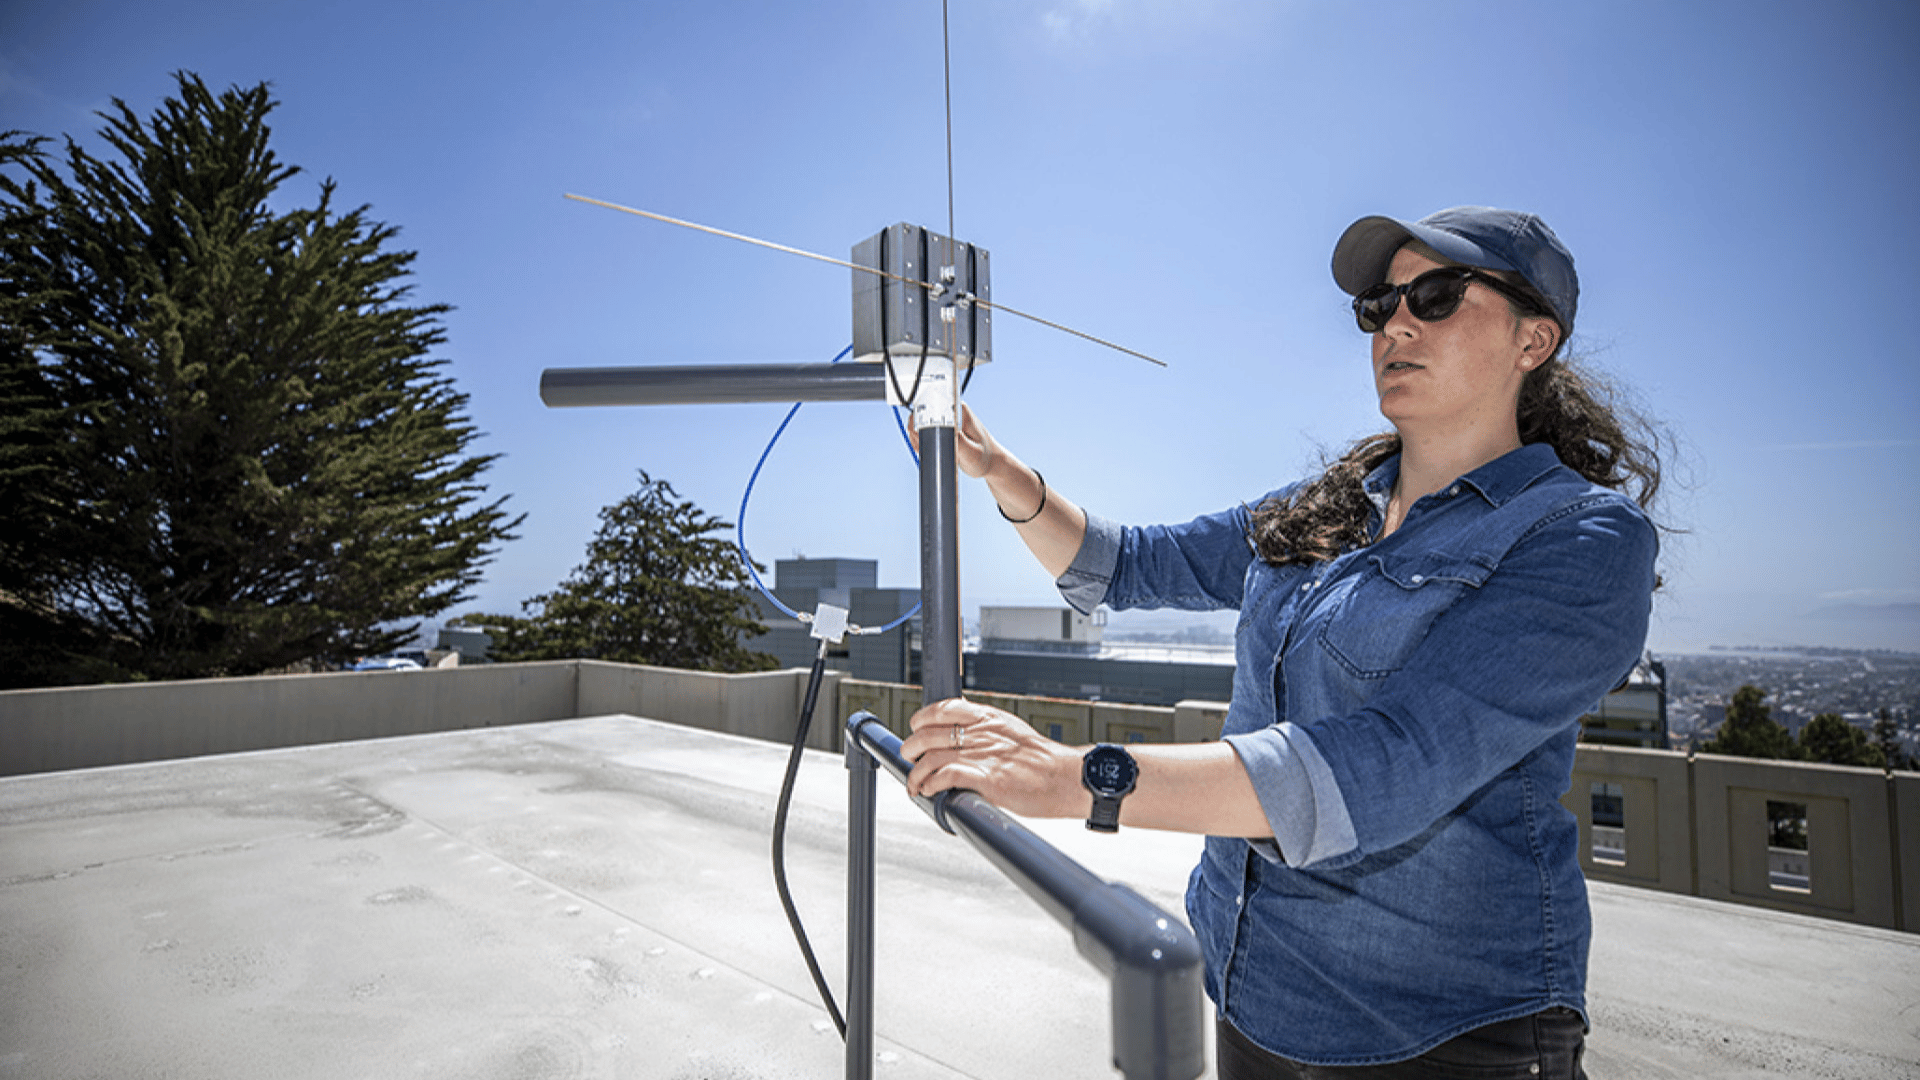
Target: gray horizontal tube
[1051, 878]
[712, 384]
[1151, 959]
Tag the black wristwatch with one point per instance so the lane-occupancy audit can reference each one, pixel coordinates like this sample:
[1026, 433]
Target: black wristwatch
[1109, 772]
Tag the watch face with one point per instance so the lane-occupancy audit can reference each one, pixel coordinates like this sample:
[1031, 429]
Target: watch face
[1110, 769]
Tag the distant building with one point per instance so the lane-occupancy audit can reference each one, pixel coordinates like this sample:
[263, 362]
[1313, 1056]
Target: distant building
[470, 642]
[804, 584]
[1635, 713]
[1058, 652]
[1049, 629]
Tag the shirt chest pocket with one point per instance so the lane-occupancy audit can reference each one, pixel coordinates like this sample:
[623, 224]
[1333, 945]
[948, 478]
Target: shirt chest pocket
[1374, 624]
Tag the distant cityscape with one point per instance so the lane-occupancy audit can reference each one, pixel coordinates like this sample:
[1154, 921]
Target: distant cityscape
[1801, 683]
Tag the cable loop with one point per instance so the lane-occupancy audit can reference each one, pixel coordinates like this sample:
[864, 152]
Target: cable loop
[740, 524]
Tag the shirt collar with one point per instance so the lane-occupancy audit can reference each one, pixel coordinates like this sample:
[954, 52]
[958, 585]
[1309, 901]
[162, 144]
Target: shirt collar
[1496, 481]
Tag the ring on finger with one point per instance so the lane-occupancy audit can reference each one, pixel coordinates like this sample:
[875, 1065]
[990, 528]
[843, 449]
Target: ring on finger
[957, 736]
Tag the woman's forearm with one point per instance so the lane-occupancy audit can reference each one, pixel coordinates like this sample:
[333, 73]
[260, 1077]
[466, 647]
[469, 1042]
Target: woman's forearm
[1051, 524]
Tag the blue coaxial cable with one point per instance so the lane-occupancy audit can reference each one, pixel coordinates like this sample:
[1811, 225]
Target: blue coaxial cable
[740, 527]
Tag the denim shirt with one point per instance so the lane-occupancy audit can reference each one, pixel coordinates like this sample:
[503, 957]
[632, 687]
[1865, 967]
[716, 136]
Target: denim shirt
[1407, 713]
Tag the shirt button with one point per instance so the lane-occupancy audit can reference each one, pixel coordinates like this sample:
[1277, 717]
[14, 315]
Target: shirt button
[1238, 900]
[1417, 578]
[1454, 490]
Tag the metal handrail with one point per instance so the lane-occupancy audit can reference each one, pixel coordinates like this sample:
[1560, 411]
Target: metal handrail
[1150, 957]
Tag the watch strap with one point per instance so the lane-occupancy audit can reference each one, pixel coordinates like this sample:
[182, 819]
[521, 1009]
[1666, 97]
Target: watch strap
[1106, 813]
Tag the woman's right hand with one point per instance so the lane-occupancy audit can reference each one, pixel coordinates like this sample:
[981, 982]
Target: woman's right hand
[974, 449]
[1054, 536]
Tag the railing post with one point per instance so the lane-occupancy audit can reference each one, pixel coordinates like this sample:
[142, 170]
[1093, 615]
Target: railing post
[860, 910]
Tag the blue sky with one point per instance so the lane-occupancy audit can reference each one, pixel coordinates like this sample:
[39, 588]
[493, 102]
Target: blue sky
[1732, 177]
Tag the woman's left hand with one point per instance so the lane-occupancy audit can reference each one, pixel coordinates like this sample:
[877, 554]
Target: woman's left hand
[959, 744]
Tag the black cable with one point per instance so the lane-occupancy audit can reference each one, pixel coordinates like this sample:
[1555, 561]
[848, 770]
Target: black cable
[907, 399]
[926, 333]
[780, 839]
[967, 378]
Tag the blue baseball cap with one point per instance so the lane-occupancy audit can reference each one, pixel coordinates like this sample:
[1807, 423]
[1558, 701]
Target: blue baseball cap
[1470, 236]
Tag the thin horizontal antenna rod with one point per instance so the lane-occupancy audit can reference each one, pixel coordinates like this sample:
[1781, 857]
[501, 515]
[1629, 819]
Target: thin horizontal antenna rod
[988, 304]
[996, 306]
[739, 236]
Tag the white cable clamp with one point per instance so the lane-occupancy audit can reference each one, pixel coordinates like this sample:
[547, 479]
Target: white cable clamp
[930, 381]
[829, 622]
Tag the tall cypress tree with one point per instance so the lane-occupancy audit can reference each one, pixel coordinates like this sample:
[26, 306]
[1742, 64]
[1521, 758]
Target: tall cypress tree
[234, 449]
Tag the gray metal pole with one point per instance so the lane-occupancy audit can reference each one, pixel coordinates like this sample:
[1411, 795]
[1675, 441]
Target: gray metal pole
[939, 566]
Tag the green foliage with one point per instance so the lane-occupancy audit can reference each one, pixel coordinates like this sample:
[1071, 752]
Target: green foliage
[1750, 730]
[1831, 739]
[1886, 736]
[657, 588]
[1787, 825]
[225, 448]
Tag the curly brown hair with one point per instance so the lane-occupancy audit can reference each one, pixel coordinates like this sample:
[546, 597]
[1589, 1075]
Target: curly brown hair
[1579, 414]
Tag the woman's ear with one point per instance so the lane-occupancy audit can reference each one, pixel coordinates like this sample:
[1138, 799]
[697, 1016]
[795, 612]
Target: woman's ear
[1539, 338]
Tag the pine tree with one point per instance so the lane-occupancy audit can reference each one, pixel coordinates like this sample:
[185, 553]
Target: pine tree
[235, 452]
[658, 587]
[1750, 730]
[1829, 738]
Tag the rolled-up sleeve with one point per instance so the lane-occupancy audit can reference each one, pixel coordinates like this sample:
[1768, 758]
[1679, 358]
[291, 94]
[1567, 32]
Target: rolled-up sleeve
[1299, 794]
[1084, 585]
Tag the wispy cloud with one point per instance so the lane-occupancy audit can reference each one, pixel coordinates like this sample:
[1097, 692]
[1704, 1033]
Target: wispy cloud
[1850, 444]
[1872, 596]
[1072, 18]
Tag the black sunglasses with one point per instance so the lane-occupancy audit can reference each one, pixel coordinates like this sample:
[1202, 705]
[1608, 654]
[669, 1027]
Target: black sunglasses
[1431, 297]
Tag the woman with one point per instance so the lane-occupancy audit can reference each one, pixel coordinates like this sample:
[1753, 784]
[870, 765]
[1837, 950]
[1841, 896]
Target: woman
[1390, 887]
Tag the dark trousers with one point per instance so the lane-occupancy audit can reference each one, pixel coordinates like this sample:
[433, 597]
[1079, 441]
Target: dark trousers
[1544, 1046]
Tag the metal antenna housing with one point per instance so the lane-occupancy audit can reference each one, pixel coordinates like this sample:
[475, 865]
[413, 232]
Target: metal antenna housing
[921, 293]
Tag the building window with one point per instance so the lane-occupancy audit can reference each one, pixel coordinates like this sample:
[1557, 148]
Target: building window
[1787, 866]
[1609, 806]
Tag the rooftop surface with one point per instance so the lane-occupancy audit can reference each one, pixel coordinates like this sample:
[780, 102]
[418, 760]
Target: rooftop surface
[593, 898]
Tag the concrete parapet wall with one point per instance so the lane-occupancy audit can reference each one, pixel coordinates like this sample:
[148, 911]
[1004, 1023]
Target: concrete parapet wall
[56, 729]
[890, 703]
[1849, 842]
[1699, 826]
[761, 705]
[1906, 847]
[1064, 719]
[1659, 815]
[1695, 826]
[1199, 721]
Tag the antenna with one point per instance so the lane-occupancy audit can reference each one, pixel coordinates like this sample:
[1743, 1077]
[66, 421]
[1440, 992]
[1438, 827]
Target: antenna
[916, 318]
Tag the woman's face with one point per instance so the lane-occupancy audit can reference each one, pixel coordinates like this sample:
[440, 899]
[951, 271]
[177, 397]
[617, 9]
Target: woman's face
[1460, 375]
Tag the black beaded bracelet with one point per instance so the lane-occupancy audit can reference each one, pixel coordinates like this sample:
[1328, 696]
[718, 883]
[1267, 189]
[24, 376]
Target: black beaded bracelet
[1036, 511]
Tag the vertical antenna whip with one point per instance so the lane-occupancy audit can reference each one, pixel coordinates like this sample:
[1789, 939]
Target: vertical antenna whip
[946, 83]
[946, 72]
